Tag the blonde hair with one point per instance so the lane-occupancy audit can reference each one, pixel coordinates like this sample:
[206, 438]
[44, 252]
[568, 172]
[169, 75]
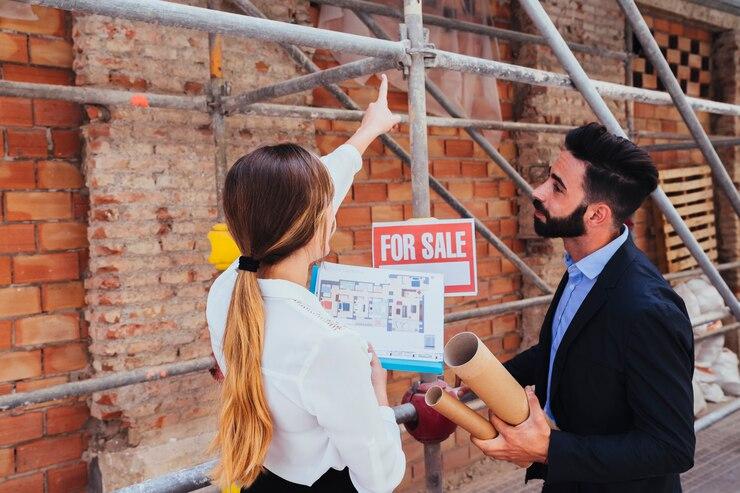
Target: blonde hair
[275, 200]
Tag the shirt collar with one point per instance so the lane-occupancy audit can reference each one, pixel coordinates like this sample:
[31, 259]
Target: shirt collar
[592, 265]
[280, 288]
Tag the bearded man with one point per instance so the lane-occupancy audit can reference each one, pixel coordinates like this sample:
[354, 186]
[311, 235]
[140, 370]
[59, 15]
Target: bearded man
[614, 360]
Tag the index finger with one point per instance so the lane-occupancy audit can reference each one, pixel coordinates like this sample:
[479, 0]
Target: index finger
[383, 90]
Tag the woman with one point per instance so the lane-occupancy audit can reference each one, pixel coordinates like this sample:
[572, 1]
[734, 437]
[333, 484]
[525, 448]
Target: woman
[304, 404]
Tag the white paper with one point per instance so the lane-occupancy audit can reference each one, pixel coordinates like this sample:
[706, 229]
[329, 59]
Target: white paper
[400, 313]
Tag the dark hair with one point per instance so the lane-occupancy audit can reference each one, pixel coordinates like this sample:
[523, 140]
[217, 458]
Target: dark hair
[618, 172]
[276, 199]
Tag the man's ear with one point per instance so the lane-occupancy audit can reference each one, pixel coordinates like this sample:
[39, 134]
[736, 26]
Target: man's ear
[598, 214]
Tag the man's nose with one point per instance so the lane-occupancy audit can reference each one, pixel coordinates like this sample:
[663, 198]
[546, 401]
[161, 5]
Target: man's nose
[539, 193]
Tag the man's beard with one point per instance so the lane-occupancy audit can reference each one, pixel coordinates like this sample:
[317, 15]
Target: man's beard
[569, 226]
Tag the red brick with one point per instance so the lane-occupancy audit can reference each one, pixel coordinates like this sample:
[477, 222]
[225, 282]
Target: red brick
[17, 365]
[53, 113]
[512, 341]
[474, 168]
[27, 143]
[385, 169]
[16, 112]
[370, 192]
[49, 451]
[66, 143]
[16, 429]
[42, 329]
[48, 267]
[13, 48]
[63, 295]
[461, 189]
[19, 301]
[15, 175]
[39, 75]
[399, 191]
[507, 189]
[26, 484]
[499, 208]
[48, 21]
[459, 148]
[7, 462]
[70, 357]
[62, 236]
[16, 238]
[40, 383]
[387, 213]
[445, 167]
[66, 419]
[68, 479]
[59, 174]
[363, 238]
[52, 52]
[353, 216]
[486, 189]
[5, 275]
[22, 206]
[6, 334]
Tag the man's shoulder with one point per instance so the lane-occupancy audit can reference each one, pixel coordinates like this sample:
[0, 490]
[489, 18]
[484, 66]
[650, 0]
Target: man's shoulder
[642, 288]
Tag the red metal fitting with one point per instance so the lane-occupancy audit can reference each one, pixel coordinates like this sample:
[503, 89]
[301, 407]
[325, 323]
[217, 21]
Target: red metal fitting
[430, 426]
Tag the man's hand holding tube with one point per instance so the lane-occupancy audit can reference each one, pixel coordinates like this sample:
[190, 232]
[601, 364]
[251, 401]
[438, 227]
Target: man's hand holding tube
[522, 444]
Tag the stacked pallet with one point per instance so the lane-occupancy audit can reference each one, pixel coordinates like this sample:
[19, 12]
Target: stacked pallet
[690, 191]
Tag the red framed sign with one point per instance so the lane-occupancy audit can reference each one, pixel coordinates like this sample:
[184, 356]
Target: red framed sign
[445, 246]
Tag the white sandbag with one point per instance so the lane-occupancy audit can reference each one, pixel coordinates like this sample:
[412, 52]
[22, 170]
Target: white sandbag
[700, 404]
[692, 306]
[708, 383]
[709, 298]
[726, 371]
[707, 351]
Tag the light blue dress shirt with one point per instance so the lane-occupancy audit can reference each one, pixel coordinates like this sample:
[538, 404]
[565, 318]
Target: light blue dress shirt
[582, 276]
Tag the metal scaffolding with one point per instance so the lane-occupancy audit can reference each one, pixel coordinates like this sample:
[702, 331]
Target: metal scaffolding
[414, 54]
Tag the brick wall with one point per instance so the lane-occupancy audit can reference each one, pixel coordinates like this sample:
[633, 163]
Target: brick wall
[43, 256]
[152, 192]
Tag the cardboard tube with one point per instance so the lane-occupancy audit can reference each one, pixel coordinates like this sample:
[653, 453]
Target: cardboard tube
[472, 361]
[459, 413]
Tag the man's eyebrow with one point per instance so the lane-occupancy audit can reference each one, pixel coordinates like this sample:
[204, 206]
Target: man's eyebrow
[558, 179]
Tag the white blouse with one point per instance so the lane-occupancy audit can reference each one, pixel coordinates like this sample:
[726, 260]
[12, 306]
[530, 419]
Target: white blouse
[317, 377]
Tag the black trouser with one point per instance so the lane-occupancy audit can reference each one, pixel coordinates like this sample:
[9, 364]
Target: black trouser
[332, 481]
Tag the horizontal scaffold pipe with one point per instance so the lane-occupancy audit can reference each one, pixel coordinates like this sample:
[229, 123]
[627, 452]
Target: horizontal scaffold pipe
[214, 21]
[351, 70]
[93, 95]
[111, 381]
[677, 146]
[525, 75]
[471, 27]
[291, 111]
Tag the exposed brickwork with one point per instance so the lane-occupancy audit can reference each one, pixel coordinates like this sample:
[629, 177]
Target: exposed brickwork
[43, 257]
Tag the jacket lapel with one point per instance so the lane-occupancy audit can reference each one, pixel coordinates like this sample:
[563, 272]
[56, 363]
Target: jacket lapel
[591, 304]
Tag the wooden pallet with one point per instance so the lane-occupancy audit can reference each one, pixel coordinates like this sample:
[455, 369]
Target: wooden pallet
[691, 192]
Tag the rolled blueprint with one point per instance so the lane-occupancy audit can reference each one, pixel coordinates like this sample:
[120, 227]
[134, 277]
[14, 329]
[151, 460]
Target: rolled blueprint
[459, 413]
[472, 361]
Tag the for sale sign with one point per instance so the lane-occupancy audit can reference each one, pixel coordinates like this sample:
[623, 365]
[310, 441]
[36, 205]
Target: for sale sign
[445, 246]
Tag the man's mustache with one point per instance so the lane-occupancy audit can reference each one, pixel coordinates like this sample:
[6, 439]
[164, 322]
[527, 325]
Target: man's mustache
[540, 207]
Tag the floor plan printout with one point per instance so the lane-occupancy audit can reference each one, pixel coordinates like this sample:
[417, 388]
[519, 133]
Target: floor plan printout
[400, 313]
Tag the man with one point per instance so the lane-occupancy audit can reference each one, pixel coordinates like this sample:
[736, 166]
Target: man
[614, 360]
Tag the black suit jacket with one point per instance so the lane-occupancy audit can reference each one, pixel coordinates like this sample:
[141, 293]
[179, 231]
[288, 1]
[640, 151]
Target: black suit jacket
[621, 384]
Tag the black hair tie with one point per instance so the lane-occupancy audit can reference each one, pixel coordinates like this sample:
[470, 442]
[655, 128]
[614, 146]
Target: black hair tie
[248, 263]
